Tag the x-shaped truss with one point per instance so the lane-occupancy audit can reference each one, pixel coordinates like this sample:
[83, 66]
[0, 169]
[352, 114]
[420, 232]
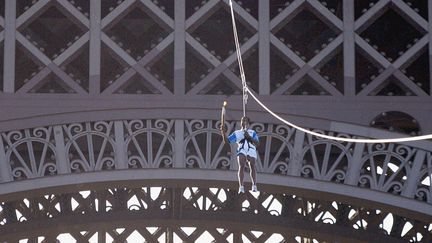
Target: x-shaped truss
[221, 67]
[53, 65]
[391, 67]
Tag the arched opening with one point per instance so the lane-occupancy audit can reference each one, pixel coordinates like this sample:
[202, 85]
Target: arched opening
[397, 121]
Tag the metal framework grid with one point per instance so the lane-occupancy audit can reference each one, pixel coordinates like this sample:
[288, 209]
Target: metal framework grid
[44, 164]
[137, 54]
[349, 57]
[192, 214]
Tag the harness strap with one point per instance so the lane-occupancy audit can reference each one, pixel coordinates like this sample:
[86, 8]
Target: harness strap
[242, 142]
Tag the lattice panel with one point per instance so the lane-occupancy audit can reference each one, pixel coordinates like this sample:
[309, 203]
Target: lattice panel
[31, 153]
[204, 147]
[89, 146]
[388, 170]
[150, 144]
[146, 204]
[60, 47]
[326, 160]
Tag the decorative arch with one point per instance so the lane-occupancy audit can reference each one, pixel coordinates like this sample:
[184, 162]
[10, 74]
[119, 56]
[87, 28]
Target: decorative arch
[397, 121]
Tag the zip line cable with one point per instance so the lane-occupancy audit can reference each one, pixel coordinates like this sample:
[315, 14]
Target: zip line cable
[354, 140]
[239, 59]
[247, 91]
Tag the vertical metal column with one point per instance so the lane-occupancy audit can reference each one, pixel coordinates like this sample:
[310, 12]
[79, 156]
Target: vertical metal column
[95, 47]
[9, 47]
[349, 48]
[430, 44]
[120, 146]
[294, 166]
[413, 178]
[61, 161]
[237, 237]
[353, 170]
[264, 47]
[179, 154]
[179, 47]
[5, 169]
[169, 237]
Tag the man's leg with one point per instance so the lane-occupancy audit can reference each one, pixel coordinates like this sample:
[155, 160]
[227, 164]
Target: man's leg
[253, 173]
[241, 164]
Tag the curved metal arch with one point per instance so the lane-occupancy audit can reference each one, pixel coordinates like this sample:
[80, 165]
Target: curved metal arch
[149, 130]
[15, 139]
[407, 113]
[217, 178]
[235, 222]
[331, 170]
[210, 158]
[273, 165]
[51, 213]
[405, 205]
[181, 133]
[382, 180]
[78, 131]
[136, 128]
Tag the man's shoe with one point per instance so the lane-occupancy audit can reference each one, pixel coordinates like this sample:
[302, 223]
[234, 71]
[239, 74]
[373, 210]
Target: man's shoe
[254, 188]
[241, 189]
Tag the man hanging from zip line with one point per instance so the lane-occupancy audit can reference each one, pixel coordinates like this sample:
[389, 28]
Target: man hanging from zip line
[247, 142]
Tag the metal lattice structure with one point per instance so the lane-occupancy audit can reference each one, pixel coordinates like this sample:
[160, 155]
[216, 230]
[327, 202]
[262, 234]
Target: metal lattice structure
[360, 185]
[194, 214]
[325, 52]
[120, 98]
